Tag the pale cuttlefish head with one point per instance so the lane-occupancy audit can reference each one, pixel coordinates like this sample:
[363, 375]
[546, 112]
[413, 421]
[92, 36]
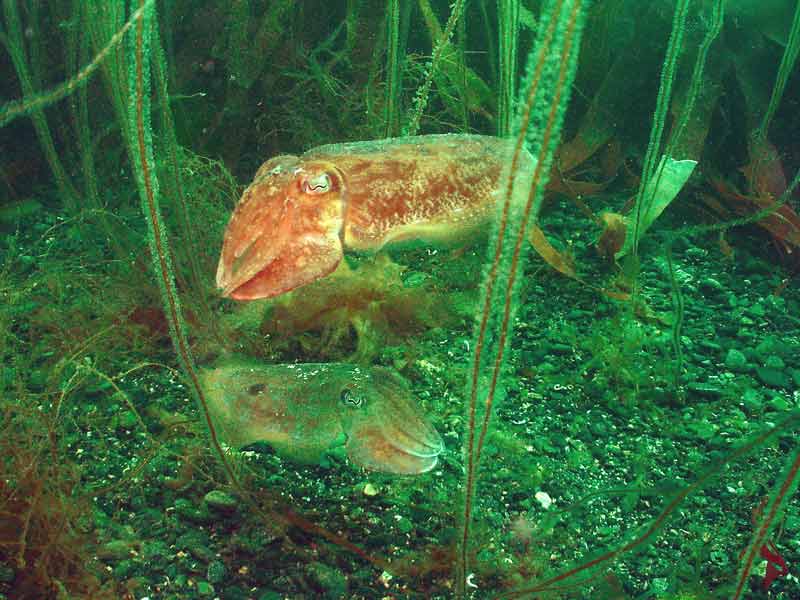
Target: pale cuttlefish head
[285, 231]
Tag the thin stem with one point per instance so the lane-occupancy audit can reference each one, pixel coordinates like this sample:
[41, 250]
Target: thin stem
[160, 252]
[516, 159]
[421, 98]
[23, 106]
[788, 484]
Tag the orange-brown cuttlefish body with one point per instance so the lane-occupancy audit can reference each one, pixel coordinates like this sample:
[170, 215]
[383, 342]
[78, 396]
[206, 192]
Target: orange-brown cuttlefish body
[305, 411]
[300, 213]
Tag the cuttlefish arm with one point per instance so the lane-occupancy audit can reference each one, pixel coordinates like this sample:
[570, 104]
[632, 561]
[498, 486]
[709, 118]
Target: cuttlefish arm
[294, 222]
[306, 410]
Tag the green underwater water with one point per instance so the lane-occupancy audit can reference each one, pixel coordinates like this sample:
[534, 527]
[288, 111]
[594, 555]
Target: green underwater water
[642, 365]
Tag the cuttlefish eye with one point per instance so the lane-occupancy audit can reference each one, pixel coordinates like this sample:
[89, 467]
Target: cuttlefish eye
[318, 184]
[351, 398]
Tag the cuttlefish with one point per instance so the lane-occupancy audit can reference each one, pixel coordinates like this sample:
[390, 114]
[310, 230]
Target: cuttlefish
[306, 411]
[300, 214]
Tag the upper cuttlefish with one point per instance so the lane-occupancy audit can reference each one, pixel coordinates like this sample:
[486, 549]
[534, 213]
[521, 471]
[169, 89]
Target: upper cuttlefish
[300, 213]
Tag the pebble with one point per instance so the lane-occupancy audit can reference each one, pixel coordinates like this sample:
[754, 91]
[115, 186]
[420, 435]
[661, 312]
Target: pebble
[766, 347]
[706, 389]
[558, 348]
[779, 403]
[125, 569]
[127, 420]
[215, 572]
[546, 369]
[7, 574]
[196, 544]
[220, 501]
[186, 510]
[155, 549]
[544, 499]
[331, 581]
[773, 377]
[205, 589]
[735, 360]
[709, 284]
[752, 400]
[404, 525]
[775, 362]
[115, 550]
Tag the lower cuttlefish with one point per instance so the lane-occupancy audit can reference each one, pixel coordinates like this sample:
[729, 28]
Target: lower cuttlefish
[306, 410]
[300, 213]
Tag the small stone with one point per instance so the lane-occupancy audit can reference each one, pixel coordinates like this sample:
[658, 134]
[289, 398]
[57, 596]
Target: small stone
[709, 284]
[414, 279]
[370, 490]
[766, 347]
[752, 400]
[186, 510]
[773, 377]
[404, 525]
[128, 420]
[735, 360]
[544, 499]
[124, 569]
[331, 581]
[779, 403]
[703, 429]
[558, 348]
[706, 389]
[154, 550]
[710, 345]
[205, 589]
[215, 572]
[775, 362]
[196, 544]
[660, 585]
[546, 368]
[7, 574]
[220, 501]
[115, 550]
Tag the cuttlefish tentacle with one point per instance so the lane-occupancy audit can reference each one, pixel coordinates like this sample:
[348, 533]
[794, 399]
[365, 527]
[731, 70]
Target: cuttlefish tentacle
[295, 221]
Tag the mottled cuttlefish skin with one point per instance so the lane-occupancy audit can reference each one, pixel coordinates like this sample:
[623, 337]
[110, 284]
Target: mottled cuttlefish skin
[299, 215]
[306, 410]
